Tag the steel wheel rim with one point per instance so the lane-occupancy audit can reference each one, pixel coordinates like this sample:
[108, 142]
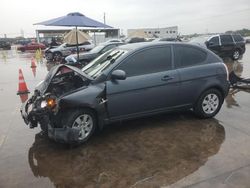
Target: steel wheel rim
[85, 124]
[210, 103]
[236, 55]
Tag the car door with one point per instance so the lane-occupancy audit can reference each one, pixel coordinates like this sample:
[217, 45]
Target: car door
[151, 84]
[191, 64]
[227, 44]
[214, 44]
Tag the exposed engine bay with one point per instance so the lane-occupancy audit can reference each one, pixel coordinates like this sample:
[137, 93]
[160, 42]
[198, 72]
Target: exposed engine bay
[64, 82]
[43, 107]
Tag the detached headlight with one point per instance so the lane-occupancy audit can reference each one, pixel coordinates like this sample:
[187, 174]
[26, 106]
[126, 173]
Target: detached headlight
[49, 103]
[43, 104]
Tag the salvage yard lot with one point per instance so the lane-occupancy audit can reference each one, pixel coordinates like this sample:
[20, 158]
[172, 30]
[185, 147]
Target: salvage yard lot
[173, 150]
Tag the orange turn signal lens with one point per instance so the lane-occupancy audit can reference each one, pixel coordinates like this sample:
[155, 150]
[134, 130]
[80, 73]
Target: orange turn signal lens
[51, 103]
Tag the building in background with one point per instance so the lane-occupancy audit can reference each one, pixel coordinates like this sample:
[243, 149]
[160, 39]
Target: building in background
[167, 32]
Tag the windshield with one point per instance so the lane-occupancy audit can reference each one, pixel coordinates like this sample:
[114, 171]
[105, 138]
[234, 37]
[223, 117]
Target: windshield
[97, 49]
[98, 65]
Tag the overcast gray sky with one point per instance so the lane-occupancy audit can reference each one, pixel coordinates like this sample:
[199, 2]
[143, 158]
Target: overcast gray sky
[191, 16]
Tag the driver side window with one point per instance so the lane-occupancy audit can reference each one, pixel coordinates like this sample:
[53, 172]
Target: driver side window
[148, 61]
[214, 41]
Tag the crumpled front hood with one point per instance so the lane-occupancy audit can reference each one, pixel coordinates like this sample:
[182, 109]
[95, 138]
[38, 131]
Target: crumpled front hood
[42, 86]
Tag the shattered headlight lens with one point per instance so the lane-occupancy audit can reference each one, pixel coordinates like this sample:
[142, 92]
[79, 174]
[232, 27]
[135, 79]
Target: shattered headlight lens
[43, 104]
[49, 103]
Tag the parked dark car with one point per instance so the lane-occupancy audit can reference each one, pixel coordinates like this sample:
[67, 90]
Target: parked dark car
[127, 82]
[167, 40]
[5, 45]
[225, 45]
[86, 57]
[135, 40]
[31, 46]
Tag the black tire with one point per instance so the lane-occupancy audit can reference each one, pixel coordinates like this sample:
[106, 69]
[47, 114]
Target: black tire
[203, 110]
[236, 54]
[22, 50]
[72, 116]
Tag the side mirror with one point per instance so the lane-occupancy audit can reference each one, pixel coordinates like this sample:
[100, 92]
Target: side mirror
[118, 75]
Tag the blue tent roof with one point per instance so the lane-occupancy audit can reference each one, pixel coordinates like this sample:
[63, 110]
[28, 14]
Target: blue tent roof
[74, 19]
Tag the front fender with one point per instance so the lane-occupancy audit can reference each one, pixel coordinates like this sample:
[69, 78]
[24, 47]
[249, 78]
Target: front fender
[91, 97]
[87, 97]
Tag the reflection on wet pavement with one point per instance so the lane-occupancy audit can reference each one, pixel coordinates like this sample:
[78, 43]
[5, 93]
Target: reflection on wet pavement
[169, 150]
[163, 149]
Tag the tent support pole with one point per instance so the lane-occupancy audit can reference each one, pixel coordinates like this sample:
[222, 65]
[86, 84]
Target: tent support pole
[94, 38]
[77, 45]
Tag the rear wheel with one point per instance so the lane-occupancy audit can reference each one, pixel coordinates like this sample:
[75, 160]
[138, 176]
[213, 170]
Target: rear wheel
[82, 119]
[209, 104]
[236, 54]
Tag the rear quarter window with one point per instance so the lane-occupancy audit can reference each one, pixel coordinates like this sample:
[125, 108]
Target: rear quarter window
[186, 56]
[238, 38]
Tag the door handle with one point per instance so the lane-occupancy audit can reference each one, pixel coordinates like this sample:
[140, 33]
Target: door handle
[166, 78]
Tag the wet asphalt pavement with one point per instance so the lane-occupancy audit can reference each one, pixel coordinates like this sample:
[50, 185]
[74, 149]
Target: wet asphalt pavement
[168, 150]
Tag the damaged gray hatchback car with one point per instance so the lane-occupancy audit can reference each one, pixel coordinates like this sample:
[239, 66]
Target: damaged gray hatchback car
[128, 82]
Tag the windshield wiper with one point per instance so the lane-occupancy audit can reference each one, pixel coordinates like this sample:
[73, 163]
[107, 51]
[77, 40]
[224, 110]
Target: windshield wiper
[111, 56]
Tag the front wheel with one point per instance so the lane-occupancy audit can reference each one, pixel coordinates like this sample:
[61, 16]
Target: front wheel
[236, 55]
[209, 104]
[84, 120]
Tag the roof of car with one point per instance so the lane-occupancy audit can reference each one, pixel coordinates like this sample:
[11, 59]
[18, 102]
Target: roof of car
[109, 43]
[140, 45]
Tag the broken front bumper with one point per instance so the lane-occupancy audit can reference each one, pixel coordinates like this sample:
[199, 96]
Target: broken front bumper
[63, 135]
[25, 112]
[34, 117]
